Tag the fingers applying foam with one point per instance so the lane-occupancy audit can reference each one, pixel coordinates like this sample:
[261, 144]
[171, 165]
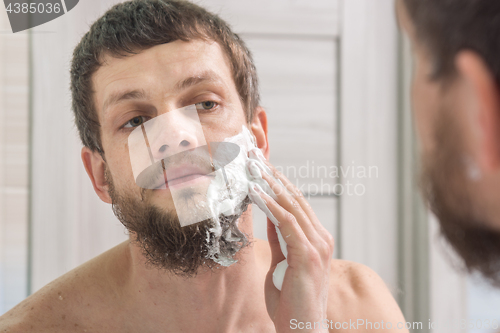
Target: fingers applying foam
[256, 199]
[255, 167]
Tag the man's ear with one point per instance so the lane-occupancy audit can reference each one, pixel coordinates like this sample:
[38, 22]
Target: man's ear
[486, 97]
[259, 129]
[95, 167]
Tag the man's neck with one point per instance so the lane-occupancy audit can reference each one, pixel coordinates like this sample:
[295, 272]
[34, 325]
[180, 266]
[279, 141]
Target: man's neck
[225, 291]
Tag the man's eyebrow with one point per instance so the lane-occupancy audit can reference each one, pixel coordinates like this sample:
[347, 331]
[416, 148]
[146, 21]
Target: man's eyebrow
[207, 76]
[124, 95]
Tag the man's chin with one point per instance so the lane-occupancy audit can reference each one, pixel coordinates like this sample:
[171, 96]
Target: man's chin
[181, 250]
[193, 249]
[163, 197]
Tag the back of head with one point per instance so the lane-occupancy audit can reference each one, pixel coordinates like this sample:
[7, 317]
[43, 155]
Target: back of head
[130, 27]
[444, 28]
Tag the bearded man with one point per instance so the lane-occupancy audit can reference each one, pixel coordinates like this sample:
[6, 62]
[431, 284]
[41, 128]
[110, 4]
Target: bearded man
[456, 104]
[158, 88]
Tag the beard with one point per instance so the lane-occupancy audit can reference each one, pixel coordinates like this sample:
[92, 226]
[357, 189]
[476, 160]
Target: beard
[446, 188]
[183, 251]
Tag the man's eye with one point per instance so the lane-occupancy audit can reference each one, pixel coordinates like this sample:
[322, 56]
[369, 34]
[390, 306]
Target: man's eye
[206, 105]
[134, 122]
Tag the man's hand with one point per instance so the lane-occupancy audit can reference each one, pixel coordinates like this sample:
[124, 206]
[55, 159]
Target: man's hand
[304, 294]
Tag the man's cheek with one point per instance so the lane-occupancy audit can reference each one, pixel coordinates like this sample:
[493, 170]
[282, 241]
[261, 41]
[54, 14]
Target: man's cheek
[123, 181]
[417, 106]
[423, 102]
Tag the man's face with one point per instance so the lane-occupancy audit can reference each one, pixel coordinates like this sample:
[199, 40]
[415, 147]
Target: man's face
[450, 177]
[131, 90]
[166, 77]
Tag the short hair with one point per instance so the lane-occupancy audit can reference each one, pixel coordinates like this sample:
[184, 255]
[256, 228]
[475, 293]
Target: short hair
[133, 26]
[446, 27]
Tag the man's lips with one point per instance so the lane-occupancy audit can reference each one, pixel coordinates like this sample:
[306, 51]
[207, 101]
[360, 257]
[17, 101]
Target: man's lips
[198, 162]
[181, 174]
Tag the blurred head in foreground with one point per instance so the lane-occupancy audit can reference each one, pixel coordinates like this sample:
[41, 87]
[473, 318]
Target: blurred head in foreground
[456, 106]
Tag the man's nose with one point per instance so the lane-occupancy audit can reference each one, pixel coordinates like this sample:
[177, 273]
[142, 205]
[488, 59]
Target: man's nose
[175, 134]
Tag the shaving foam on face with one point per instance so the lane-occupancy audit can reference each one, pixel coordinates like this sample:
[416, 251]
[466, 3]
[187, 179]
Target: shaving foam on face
[225, 194]
[244, 174]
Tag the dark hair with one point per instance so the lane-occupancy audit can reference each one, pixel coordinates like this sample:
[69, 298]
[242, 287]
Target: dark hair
[133, 26]
[446, 27]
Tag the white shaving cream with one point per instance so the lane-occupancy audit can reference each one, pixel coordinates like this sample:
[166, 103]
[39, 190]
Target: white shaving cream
[244, 173]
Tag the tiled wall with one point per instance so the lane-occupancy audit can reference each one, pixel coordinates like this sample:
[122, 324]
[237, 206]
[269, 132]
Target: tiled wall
[14, 139]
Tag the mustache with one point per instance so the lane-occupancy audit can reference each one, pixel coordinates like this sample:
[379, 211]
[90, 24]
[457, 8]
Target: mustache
[204, 160]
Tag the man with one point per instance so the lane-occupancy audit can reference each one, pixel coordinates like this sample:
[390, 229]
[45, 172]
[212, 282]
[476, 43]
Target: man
[456, 104]
[148, 59]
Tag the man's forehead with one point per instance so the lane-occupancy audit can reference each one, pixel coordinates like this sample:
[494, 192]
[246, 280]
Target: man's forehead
[173, 64]
[165, 54]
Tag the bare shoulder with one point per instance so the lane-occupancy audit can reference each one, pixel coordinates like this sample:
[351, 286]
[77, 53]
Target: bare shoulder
[67, 303]
[358, 294]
